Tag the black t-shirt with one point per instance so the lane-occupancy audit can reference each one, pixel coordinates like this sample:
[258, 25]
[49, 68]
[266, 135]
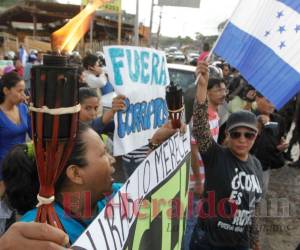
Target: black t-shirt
[232, 189]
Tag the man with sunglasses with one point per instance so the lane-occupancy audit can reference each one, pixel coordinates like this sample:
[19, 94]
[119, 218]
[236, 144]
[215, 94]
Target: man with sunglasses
[233, 178]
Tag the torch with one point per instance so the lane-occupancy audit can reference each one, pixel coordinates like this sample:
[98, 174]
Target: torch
[54, 116]
[54, 110]
[174, 100]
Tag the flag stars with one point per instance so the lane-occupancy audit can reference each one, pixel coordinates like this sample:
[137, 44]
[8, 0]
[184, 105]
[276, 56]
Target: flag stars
[297, 28]
[280, 14]
[281, 29]
[267, 33]
[282, 45]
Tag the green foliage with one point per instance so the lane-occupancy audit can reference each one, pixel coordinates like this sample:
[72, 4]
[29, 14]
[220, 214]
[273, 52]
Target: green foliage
[8, 3]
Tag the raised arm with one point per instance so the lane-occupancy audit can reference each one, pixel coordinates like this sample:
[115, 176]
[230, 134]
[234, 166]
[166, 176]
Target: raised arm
[201, 130]
[118, 103]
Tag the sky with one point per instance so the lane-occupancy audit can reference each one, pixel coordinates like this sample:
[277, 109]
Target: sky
[179, 21]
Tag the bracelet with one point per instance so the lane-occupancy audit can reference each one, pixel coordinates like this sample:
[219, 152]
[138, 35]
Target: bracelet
[152, 145]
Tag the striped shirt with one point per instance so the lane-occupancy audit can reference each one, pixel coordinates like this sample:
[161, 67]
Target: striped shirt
[213, 119]
[137, 155]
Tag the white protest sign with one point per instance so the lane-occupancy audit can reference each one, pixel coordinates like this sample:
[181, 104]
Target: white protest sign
[162, 176]
[141, 74]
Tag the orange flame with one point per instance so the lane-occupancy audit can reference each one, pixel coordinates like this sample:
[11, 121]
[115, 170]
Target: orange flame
[67, 37]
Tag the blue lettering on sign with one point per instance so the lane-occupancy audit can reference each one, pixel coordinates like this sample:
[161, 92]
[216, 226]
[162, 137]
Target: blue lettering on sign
[134, 76]
[163, 74]
[137, 117]
[114, 53]
[145, 67]
[155, 63]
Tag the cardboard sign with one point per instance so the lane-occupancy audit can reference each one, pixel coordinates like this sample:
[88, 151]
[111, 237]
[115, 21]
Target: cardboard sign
[149, 211]
[141, 74]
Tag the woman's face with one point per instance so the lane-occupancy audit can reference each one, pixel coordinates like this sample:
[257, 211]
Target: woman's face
[264, 106]
[89, 109]
[97, 174]
[16, 94]
[240, 141]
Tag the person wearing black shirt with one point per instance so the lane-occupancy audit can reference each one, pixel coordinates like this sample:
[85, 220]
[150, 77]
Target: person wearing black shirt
[233, 185]
[270, 143]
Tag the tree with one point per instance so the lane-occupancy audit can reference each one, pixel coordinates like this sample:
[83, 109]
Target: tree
[7, 3]
[199, 36]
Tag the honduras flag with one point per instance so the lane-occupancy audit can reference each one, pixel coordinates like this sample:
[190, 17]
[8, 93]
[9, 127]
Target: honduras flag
[262, 40]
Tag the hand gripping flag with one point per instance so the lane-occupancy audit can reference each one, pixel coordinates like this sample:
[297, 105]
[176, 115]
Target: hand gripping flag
[262, 40]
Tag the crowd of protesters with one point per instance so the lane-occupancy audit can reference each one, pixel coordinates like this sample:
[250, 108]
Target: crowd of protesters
[238, 137]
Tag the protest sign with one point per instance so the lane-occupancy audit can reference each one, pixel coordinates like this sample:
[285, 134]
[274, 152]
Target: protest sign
[5, 63]
[149, 210]
[141, 74]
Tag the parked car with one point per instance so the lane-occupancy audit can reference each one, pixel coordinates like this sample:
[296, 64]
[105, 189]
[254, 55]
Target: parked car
[184, 75]
[178, 56]
[191, 57]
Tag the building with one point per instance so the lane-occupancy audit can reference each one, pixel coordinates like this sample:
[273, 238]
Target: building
[31, 22]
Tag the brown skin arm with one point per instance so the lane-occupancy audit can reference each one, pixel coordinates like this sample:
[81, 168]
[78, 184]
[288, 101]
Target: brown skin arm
[165, 132]
[202, 81]
[201, 130]
[118, 103]
[28, 236]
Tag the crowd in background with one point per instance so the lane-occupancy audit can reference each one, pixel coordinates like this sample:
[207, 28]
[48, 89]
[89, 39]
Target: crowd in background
[230, 103]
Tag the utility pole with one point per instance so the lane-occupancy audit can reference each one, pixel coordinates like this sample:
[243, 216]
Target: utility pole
[119, 27]
[159, 28]
[151, 20]
[91, 33]
[136, 25]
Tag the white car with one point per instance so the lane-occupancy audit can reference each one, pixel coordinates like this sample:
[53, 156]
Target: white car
[179, 56]
[184, 75]
[191, 57]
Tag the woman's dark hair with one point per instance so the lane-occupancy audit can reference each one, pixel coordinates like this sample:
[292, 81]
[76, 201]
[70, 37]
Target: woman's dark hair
[79, 79]
[214, 82]
[8, 80]
[89, 60]
[206, 47]
[223, 65]
[77, 156]
[86, 92]
[21, 178]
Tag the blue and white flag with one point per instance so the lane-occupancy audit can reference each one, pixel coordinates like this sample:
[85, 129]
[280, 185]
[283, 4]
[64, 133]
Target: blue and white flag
[262, 40]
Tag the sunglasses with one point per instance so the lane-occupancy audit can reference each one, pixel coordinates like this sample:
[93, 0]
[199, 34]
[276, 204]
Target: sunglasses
[237, 135]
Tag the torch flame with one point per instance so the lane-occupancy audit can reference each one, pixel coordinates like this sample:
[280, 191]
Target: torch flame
[67, 37]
